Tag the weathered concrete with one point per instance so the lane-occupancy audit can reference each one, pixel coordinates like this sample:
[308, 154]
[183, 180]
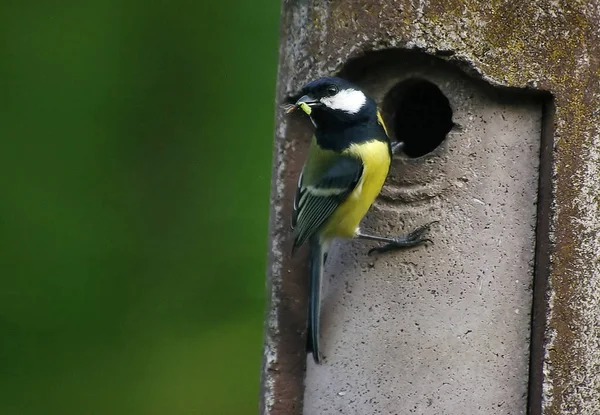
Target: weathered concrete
[550, 46]
[443, 329]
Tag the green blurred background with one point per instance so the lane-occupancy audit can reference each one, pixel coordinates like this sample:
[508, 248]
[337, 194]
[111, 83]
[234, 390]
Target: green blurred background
[135, 156]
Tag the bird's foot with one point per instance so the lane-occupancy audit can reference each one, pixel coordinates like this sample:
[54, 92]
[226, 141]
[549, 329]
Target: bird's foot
[406, 241]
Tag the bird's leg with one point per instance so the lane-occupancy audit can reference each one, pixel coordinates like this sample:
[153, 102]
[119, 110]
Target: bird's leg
[400, 242]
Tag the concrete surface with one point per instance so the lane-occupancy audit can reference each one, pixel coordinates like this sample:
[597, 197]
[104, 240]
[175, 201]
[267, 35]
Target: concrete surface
[442, 329]
[542, 45]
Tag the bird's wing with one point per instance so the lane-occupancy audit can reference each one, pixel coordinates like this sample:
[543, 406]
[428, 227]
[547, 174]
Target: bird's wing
[316, 201]
[297, 199]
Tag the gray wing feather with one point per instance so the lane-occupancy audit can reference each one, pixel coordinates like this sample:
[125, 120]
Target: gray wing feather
[297, 199]
[314, 204]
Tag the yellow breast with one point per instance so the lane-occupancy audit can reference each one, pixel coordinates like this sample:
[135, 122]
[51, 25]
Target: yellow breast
[376, 160]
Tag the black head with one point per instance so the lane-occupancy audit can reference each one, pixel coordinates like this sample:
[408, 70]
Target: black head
[333, 102]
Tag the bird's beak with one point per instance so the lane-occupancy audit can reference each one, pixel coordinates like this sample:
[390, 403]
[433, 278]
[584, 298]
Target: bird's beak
[305, 103]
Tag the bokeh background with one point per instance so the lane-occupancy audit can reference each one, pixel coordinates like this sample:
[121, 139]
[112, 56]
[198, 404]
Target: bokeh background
[135, 157]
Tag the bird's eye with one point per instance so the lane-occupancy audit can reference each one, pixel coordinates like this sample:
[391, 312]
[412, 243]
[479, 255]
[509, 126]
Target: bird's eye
[332, 90]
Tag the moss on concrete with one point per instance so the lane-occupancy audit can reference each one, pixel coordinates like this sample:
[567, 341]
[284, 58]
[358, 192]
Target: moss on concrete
[552, 46]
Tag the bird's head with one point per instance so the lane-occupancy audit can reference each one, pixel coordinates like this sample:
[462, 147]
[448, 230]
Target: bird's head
[331, 102]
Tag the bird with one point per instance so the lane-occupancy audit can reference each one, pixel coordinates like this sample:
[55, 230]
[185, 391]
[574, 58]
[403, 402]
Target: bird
[347, 164]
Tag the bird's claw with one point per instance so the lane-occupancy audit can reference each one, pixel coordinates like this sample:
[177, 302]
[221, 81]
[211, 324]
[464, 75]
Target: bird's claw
[414, 238]
[417, 233]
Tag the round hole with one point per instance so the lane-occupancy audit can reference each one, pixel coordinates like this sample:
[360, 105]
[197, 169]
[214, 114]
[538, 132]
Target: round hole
[420, 116]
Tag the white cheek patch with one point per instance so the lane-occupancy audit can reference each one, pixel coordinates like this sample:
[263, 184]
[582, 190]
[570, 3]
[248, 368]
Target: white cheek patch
[347, 100]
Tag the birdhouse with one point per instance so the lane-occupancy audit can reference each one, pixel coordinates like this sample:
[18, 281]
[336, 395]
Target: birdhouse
[497, 105]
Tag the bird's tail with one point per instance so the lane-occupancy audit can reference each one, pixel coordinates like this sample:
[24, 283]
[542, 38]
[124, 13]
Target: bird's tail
[317, 253]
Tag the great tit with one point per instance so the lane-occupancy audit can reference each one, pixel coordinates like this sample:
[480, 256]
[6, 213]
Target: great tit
[348, 162]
